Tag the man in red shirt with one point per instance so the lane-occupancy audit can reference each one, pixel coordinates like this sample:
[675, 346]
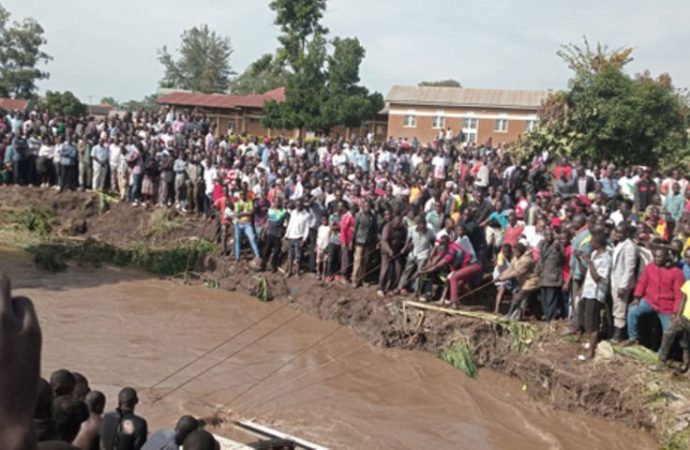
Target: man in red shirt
[513, 230]
[657, 291]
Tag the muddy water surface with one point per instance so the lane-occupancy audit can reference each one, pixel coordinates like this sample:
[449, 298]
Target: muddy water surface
[304, 376]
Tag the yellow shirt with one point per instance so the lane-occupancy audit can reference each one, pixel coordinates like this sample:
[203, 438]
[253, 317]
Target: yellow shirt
[685, 314]
[415, 192]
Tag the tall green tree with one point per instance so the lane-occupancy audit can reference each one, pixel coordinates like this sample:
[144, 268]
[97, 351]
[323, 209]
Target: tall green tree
[263, 75]
[322, 89]
[63, 103]
[300, 22]
[203, 64]
[21, 56]
[110, 101]
[609, 115]
[347, 103]
[148, 103]
[442, 83]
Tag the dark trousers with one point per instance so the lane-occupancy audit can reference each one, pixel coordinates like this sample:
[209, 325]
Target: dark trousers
[520, 302]
[312, 249]
[344, 259]
[68, 177]
[333, 258]
[390, 272]
[681, 328]
[272, 250]
[551, 300]
[32, 174]
[20, 172]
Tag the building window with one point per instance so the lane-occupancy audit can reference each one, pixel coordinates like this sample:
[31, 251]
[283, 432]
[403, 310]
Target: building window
[439, 122]
[410, 121]
[530, 125]
[470, 124]
[501, 125]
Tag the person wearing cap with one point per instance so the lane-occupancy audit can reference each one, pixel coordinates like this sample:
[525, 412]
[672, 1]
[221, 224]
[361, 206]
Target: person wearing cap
[122, 428]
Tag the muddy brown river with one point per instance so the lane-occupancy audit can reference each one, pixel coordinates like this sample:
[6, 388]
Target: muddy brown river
[290, 371]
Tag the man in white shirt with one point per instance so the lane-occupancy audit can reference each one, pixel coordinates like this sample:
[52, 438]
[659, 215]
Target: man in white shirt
[115, 156]
[439, 163]
[296, 234]
[210, 175]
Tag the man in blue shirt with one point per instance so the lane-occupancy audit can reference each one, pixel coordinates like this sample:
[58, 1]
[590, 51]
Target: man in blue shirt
[68, 165]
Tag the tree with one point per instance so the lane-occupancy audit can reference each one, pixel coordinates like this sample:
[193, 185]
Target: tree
[609, 115]
[298, 20]
[322, 90]
[110, 101]
[443, 83]
[263, 75]
[148, 104]
[20, 56]
[64, 104]
[203, 65]
[346, 102]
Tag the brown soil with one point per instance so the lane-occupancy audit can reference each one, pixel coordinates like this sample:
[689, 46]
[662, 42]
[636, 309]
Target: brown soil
[617, 389]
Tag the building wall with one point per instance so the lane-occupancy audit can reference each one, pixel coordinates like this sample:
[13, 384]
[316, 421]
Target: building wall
[429, 118]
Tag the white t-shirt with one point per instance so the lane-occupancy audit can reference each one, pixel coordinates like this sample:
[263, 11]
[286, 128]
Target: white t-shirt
[439, 163]
[322, 236]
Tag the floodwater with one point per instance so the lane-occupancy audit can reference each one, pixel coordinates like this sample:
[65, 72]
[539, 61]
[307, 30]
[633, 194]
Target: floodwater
[282, 368]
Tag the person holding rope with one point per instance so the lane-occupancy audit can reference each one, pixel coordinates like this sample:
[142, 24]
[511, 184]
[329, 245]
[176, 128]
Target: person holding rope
[393, 238]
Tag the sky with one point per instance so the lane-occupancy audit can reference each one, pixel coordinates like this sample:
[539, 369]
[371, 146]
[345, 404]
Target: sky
[108, 48]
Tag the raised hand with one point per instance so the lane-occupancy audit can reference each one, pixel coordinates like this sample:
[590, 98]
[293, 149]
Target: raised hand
[20, 366]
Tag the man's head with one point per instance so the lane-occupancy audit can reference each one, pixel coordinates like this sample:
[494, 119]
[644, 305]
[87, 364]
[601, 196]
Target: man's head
[579, 221]
[95, 400]
[661, 257]
[127, 399]
[62, 381]
[68, 414]
[81, 386]
[185, 426]
[200, 440]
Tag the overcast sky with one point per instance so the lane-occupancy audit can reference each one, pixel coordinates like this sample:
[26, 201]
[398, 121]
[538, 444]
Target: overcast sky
[108, 48]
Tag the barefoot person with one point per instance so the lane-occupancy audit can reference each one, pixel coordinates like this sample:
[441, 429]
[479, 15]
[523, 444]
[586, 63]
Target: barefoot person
[597, 268]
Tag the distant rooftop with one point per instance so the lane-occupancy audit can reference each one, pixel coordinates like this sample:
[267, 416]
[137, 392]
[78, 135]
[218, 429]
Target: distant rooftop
[221, 101]
[13, 104]
[453, 96]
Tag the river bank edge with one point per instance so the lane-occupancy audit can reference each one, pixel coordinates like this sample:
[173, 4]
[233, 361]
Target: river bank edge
[87, 229]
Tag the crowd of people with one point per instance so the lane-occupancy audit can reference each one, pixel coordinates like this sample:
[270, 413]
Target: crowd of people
[587, 242]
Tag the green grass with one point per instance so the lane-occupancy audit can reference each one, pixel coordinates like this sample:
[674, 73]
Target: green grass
[161, 223]
[262, 290]
[34, 219]
[461, 356]
[171, 261]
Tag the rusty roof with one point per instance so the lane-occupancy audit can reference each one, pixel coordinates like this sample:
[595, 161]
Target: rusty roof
[221, 101]
[453, 96]
[13, 104]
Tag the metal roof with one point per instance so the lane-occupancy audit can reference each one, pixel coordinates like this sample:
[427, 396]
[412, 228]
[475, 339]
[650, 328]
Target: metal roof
[13, 104]
[459, 97]
[221, 101]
